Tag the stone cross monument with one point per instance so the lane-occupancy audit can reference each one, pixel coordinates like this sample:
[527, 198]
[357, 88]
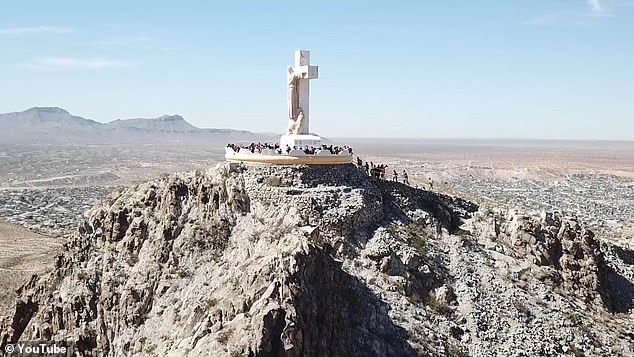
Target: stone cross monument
[298, 92]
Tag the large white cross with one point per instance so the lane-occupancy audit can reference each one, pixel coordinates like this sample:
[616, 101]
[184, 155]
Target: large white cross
[305, 72]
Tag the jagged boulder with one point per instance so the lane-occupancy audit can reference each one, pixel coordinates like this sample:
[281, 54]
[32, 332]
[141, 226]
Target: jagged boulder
[558, 242]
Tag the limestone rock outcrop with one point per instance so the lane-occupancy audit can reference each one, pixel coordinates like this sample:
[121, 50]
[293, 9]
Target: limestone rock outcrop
[321, 260]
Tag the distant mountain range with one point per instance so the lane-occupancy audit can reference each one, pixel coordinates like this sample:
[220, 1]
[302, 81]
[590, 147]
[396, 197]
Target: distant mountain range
[164, 123]
[52, 124]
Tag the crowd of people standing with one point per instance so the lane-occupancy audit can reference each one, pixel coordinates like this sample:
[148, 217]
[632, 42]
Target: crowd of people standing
[379, 171]
[309, 150]
[369, 167]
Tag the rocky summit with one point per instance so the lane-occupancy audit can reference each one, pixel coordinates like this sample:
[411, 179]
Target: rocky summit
[325, 261]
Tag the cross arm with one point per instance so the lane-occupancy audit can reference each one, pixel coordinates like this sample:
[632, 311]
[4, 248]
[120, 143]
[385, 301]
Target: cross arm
[309, 72]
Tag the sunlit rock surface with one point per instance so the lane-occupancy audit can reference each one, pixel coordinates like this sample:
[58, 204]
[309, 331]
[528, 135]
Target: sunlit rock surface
[325, 261]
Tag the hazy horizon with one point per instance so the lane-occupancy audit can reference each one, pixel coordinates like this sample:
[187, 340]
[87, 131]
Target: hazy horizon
[401, 140]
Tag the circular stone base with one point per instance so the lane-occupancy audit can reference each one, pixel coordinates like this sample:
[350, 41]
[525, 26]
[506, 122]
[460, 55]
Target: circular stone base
[289, 160]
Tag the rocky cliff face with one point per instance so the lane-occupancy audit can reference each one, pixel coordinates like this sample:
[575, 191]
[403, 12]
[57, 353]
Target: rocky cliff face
[324, 261]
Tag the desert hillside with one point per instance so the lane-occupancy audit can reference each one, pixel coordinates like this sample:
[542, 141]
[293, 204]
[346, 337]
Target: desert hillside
[314, 261]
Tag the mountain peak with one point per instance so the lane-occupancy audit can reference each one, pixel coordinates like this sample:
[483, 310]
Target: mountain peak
[48, 110]
[175, 117]
[164, 123]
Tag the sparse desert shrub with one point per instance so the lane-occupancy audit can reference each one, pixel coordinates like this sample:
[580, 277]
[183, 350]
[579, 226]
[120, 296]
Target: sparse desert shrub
[215, 236]
[414, 229]
[462, 232]
[209, 303]
[150, 348]
[416, 237]
[223, 335]
[235, 282]
[82, 275]
[413, 233]
[392, 229]
[182, 272]
[457, 351]
[574, 318]
[415, 299]
[437, 305]
[522, 309]
[255, 236]
[576, 351]
[132, 259]
[273, 181]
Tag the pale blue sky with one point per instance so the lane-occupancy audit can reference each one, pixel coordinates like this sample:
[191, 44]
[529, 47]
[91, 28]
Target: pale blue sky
[443, 69]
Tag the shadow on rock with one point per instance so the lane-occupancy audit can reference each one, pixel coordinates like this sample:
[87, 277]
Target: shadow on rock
[626, 255]
[448, 211]
[338, 315]
[619, 295]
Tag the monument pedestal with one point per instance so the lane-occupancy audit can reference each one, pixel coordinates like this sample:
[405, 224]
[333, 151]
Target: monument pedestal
[299, 141]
